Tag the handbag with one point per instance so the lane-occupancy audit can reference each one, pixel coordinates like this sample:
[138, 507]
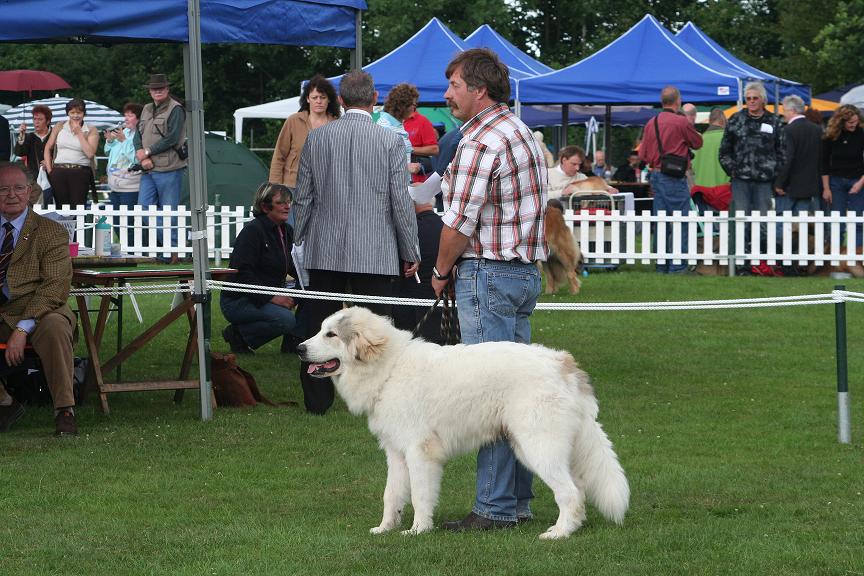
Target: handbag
[233, 386]
[670, 164]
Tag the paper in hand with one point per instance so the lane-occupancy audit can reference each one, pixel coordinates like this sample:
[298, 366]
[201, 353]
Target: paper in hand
[425, 193]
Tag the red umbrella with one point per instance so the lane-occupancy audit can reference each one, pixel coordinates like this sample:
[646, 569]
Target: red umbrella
[29, 80]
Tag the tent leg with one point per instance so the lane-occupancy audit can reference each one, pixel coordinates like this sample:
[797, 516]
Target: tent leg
[198, 198]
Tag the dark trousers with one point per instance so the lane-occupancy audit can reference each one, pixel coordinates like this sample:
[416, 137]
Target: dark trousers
[318, 393]
[70, 185]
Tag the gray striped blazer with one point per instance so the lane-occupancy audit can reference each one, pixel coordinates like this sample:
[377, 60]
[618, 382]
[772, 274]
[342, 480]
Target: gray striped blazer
[352, 210]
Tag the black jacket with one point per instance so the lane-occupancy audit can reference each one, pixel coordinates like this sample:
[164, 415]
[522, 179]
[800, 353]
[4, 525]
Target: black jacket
[799, 175]
[260, 259]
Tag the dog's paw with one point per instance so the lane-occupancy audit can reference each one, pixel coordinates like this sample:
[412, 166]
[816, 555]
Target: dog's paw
[417, 529]
[554, 533]
[379, 530]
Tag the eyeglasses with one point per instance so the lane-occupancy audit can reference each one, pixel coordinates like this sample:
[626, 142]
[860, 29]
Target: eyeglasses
[17, 188]
[752, 98]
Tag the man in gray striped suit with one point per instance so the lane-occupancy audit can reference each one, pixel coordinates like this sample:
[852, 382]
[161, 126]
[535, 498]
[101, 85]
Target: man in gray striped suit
[353, 214]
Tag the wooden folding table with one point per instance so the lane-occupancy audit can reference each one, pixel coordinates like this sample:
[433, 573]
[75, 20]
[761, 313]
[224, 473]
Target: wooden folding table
[93, 333]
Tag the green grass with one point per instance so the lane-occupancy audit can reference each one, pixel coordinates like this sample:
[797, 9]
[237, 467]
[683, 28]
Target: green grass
[725, 422]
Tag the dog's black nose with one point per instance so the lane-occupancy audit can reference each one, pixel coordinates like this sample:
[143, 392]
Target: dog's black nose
[301, 349]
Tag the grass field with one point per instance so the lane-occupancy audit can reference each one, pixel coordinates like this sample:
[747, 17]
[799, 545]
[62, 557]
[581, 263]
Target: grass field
[725, 422]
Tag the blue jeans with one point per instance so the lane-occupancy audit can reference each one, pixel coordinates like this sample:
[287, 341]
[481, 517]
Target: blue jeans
[494, 301]
[751, 196]
[161, 189]
[257, 325]
[785, 203]
[670, 194]
[844, 202]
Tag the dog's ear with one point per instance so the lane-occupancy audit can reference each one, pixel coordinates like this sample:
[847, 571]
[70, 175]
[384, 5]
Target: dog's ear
[366, 346]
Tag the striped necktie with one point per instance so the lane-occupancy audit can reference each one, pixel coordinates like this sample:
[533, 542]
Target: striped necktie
[6, 256]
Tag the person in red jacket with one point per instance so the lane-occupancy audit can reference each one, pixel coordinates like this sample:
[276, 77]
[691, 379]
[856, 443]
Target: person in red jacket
[677, 136]
[424, 140]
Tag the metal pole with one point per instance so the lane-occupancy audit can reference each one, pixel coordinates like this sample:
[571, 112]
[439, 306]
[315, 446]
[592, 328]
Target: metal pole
[607, 132]
[357, 52]
[565, 123]
[843, 432]
[198, 199]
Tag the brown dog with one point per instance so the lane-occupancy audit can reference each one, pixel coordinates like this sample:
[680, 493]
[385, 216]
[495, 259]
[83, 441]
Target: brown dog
[565, 257]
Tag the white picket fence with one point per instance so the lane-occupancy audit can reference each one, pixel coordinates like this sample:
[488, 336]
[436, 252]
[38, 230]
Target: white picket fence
[148, 238]
[614, 237]
[605, 236]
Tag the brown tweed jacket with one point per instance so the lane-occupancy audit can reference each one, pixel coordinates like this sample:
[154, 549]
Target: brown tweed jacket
[40, 272]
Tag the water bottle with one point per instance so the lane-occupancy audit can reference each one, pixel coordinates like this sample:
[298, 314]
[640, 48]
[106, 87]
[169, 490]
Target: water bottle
[102, 239]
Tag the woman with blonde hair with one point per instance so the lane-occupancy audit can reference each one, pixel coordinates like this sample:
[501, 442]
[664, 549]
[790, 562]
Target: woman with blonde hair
[843, 169]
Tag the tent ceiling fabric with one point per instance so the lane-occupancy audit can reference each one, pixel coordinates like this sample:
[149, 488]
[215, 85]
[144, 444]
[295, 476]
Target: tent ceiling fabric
[300, 22]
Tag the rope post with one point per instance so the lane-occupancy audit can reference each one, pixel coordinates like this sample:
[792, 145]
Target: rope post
[843, 432]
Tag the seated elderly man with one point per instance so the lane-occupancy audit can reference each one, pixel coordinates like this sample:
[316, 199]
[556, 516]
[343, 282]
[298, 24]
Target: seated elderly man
[35, 275]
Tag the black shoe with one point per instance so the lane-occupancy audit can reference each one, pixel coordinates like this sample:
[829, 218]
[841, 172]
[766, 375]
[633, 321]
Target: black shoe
[475, 522]
[235, 340]
[64, 424]
[10, 414]
[524, 519]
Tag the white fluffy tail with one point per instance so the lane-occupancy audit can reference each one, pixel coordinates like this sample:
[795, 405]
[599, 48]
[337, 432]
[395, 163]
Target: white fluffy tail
[596, 469]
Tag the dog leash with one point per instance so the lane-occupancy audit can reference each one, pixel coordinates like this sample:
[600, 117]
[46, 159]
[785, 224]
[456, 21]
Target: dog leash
[449, 319]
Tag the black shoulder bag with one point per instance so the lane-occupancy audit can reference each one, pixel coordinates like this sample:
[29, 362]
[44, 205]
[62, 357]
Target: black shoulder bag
[670, 164]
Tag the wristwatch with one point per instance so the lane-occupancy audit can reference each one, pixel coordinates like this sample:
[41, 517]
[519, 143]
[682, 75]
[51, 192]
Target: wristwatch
[438, 276]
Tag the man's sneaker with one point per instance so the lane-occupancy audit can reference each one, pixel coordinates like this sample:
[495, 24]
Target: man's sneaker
[10, 414]
[64, 424]
[235, 340]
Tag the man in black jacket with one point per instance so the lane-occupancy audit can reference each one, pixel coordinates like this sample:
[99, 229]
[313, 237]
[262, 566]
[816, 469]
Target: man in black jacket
[798, 183]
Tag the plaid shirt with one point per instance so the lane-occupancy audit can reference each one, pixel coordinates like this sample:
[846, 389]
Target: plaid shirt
[495, 188]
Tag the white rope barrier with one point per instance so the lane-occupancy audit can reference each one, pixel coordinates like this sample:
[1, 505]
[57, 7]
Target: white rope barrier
[833, 297]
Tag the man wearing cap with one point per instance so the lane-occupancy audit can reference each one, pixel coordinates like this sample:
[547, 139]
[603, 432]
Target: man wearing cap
[161, 134]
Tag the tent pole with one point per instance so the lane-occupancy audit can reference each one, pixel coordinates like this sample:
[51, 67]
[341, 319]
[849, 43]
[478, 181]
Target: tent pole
[198, 199]
[357, 52]
[607, 132]
[565, 123]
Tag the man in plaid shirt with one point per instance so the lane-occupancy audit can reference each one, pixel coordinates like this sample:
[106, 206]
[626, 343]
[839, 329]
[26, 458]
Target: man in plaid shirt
[495, 199]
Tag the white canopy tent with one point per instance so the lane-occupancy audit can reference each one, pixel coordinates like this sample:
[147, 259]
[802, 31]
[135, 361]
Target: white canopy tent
[278, 109]
[855, 96]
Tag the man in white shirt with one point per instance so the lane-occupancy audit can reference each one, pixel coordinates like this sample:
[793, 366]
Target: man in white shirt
[567, 171]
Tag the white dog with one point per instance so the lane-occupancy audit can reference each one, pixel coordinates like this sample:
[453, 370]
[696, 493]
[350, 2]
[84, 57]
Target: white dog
[427, 403]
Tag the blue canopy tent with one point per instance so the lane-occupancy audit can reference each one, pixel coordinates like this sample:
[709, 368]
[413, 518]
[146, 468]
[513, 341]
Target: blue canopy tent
[315, 22]
[293, 22]
[486, 37]
[633, 69]
[692, 38]
[421, 60]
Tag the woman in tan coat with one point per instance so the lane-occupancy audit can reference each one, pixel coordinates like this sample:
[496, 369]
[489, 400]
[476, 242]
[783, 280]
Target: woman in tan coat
[318, 106]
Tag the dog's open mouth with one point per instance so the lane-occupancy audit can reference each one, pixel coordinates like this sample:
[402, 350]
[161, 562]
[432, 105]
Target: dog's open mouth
[324, 368]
